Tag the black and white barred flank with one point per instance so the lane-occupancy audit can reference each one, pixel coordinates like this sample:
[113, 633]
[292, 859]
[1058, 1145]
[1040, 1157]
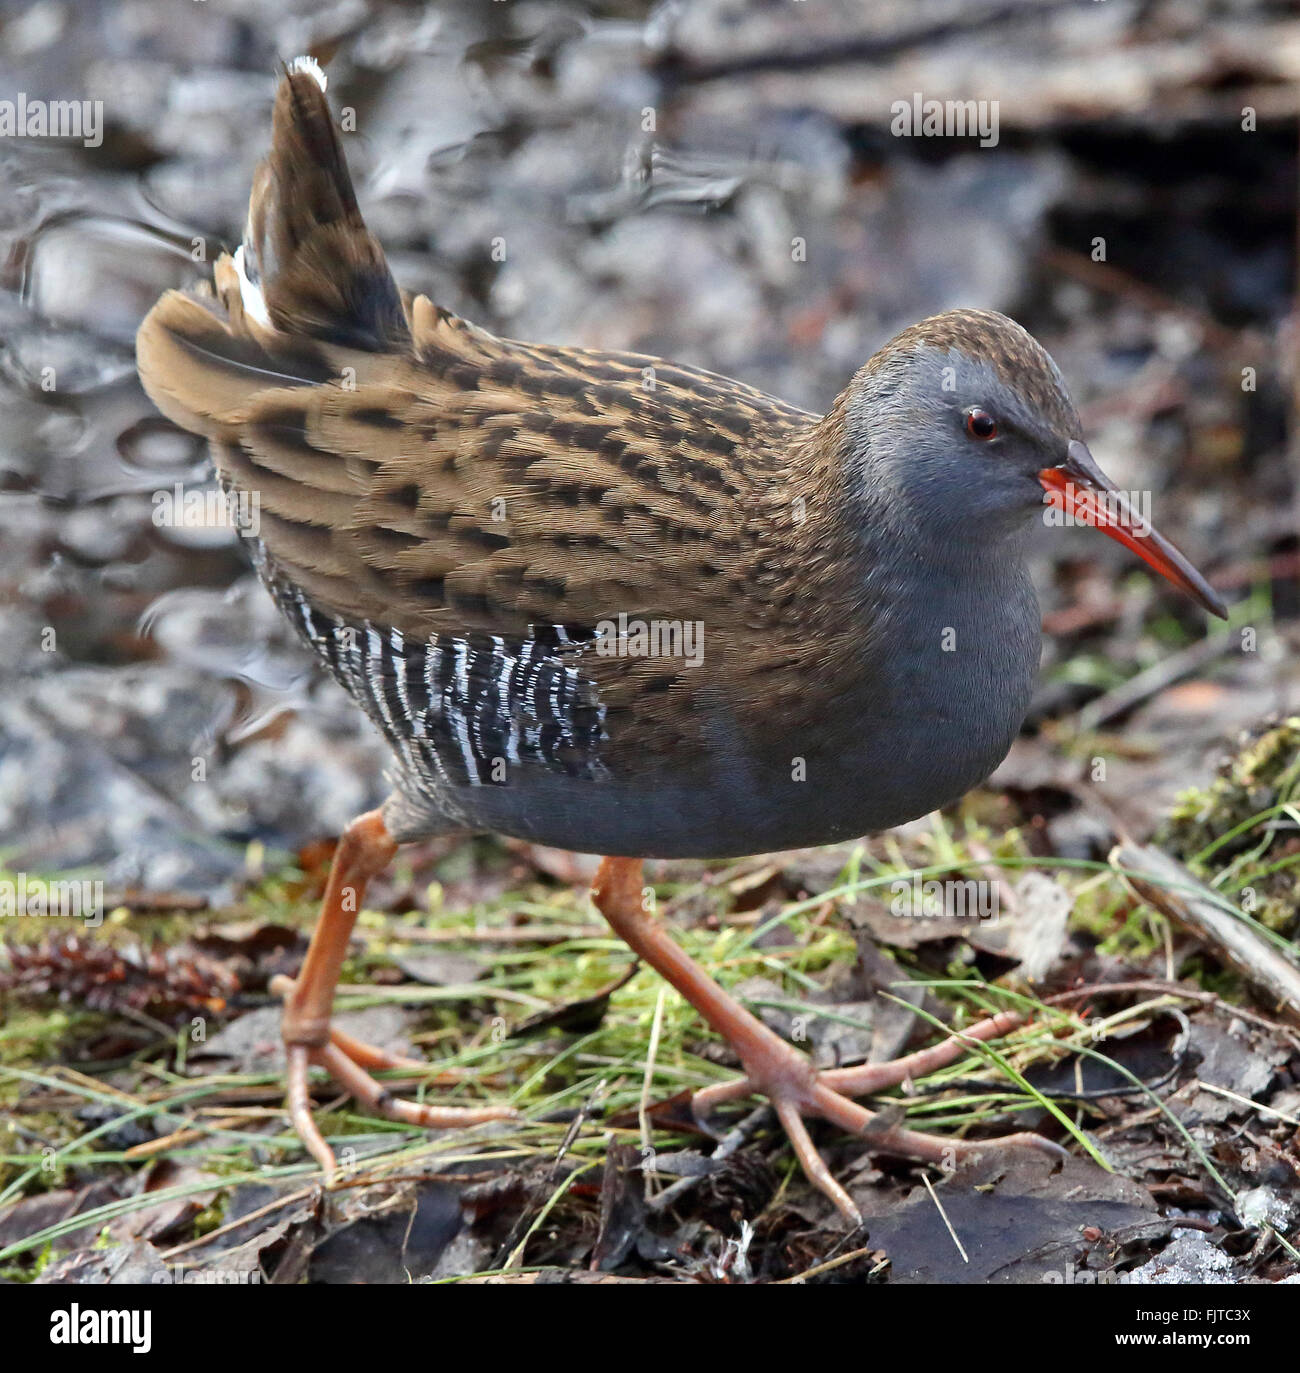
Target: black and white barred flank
[462, 711]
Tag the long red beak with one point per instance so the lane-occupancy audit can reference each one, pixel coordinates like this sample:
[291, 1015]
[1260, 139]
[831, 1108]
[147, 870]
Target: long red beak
[1082, 490]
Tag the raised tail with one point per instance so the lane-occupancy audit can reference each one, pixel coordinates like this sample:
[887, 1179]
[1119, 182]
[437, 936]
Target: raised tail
[308, 265]
[309, 277]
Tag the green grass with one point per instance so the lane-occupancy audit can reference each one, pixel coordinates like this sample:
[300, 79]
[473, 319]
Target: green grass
[244, 1135]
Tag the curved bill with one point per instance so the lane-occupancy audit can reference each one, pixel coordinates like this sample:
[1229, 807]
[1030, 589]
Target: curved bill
[1082, 490]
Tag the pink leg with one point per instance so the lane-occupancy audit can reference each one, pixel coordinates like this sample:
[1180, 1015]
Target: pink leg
[781, 1073]
[364, 850]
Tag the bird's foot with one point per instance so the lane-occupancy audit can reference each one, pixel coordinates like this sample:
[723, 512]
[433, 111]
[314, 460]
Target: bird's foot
[785, 1077]
[348, 1061]
[777, 1070]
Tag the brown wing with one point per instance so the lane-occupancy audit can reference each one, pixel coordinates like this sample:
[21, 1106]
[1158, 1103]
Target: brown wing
[415, 475]
[479, 484]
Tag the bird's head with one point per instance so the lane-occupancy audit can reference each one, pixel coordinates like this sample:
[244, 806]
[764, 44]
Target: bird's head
[965, 421]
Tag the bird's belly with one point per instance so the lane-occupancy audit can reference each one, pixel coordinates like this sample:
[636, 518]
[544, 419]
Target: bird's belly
[729, 806]
[901, 752]
[907, 729]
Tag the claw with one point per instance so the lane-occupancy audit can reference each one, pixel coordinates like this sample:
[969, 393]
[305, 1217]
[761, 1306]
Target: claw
[778, 1071]
[300, 1115]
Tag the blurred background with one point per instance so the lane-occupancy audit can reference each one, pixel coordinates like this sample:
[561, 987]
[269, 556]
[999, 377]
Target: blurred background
[712, 181]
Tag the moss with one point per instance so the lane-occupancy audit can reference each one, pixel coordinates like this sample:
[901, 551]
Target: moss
[211, 1217]
[1229, 825]
[1263, 772]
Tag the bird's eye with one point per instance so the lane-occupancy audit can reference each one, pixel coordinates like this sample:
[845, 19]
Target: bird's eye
[981, 425]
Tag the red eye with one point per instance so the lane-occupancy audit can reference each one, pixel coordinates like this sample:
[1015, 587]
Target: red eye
[981, 425]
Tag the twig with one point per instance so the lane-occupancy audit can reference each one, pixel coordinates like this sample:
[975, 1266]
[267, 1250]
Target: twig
[943, 1215]
[1246, 1101]
[1152, 680]
[278, 1204]
[823, 1268]
[643, 1107]
[738, 1135]
[1173, 891]
[178, 1139]
[1196, 994]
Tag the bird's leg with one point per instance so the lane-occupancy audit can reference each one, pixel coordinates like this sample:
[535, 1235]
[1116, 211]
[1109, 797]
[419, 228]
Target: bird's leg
[780, 1072]
[364, 850]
